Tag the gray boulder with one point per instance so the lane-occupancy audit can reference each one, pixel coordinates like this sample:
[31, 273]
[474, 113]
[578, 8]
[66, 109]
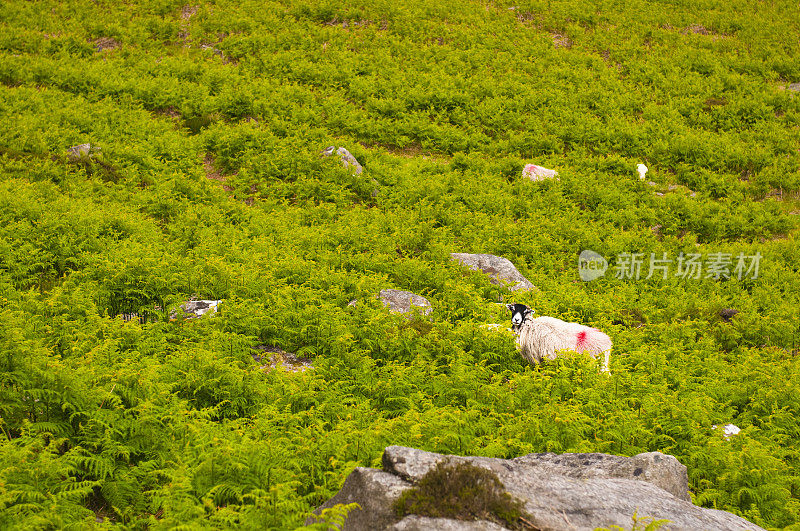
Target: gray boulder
[567, 491]
[375, 491]
[347, 158]
[794, 86]
[80, 151]
[499, 269]
[661, 470]
[425, 523]
[197, 308]
[404, 301]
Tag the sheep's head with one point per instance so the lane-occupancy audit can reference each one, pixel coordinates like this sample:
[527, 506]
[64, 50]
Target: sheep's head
[519, 312]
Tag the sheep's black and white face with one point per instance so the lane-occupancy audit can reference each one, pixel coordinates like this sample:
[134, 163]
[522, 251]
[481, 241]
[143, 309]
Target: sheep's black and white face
[519, 312]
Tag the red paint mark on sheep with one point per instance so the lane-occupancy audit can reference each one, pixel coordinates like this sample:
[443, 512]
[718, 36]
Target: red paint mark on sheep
[580, 344]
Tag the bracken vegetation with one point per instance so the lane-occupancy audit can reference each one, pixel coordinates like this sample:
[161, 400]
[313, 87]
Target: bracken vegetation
[205, 180]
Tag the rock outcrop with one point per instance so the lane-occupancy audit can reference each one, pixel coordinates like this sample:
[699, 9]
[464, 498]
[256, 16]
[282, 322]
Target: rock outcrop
[558, 492]
[80, 151]
[197, 308]
[375, 491]
[347, 158]
[499, 269]
[404, 301]
[424, 523]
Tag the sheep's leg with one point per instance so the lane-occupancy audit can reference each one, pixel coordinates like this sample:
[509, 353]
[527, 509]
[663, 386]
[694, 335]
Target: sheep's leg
[606, 354]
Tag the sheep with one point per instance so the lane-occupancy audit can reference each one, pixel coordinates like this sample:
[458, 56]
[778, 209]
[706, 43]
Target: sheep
[542, 337]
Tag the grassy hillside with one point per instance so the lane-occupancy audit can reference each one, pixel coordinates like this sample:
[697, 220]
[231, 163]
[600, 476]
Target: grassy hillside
[207, 121]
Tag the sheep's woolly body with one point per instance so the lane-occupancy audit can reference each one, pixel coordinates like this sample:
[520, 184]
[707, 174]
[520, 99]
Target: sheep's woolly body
[542, 338]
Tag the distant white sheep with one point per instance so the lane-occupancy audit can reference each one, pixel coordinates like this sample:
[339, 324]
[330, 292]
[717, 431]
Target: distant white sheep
[538, 173]
[542, 337]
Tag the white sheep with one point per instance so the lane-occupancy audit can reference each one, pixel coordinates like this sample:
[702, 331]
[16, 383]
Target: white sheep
[542, 337]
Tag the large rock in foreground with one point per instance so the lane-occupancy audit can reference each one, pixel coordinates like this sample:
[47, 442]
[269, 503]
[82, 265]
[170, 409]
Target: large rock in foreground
[498, 268]
[425, 523]
[559, 492]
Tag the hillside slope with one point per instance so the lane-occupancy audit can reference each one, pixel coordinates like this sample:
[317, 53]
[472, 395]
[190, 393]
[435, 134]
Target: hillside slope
[205, 180]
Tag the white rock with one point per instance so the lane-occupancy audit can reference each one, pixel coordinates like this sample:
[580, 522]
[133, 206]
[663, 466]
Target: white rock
[198, 308]
[347, 158]
[642, 169]
[728, 429]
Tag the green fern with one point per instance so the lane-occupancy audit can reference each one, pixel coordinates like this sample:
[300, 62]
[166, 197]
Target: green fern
[331, 518]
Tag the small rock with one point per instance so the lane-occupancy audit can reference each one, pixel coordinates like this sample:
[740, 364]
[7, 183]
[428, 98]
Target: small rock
[347, 158]
[657, 231]
[353, 303]
[198, 308]
[728, 430]
[727, 314]
[660, 194]
[499, 269]
[651, 183]
[794, 86]
[538, 173]
[80, 151]
[278, 358]
[642, 169]
[400, 301]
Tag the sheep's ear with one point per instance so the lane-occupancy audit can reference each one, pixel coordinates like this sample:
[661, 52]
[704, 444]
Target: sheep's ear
[529, 311]
[510, 307]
